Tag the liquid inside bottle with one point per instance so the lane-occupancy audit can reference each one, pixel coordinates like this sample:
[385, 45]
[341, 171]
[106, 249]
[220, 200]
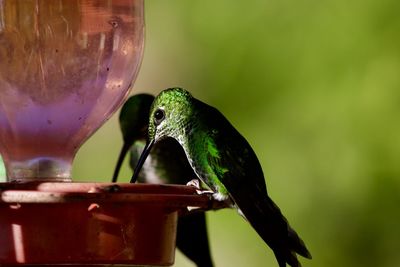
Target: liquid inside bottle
[65, 67]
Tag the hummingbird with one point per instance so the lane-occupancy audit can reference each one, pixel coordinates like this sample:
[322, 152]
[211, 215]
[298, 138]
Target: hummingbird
[166, 164]
[224, 161]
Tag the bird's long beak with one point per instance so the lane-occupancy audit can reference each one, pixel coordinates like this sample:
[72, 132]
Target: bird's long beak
[142, 159]
[121, 157]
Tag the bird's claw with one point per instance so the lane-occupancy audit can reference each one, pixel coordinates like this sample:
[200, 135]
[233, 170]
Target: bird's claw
[214, 203]
[205, 192]
[196, 184]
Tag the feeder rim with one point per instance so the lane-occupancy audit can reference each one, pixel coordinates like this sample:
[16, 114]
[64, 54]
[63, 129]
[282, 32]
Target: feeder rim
[176, 196]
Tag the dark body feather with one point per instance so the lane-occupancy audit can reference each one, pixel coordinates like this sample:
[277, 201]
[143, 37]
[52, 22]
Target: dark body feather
[167, 163]
[224, 160]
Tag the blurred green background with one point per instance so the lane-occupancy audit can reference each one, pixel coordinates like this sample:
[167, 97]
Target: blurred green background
[315, 88]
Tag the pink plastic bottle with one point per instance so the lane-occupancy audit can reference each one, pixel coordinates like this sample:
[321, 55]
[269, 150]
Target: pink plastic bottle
[65, 67]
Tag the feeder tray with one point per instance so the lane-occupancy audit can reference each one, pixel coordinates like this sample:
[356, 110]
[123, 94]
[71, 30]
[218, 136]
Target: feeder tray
[91, 224]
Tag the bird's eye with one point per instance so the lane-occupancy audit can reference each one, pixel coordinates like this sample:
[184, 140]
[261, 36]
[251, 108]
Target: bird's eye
[159, 116]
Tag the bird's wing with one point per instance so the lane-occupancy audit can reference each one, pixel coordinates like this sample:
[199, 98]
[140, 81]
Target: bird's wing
[230, 155]
[243, 178]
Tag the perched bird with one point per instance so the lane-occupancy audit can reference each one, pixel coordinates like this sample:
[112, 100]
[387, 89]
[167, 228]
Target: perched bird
[166, 163]
[222, 158]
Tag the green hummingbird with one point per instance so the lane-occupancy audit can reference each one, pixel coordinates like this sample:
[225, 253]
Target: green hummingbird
[222, 159]
[166, 164]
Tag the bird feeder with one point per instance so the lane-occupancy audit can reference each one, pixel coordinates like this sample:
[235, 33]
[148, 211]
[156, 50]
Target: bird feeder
[65, 67]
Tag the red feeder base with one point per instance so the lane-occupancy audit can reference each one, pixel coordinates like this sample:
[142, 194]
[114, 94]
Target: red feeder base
[91, 224]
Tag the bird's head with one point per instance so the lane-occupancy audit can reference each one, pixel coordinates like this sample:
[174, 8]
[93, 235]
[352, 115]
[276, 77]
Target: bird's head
[170, 114]
[133, 121]
[134, 116]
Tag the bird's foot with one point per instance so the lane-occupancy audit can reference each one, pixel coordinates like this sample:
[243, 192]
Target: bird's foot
[196, 184]
[216, 200]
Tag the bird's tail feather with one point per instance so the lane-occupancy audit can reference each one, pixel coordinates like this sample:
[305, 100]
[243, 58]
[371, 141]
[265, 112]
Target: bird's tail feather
[297, 244]
[268, 221]
[192, 239]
